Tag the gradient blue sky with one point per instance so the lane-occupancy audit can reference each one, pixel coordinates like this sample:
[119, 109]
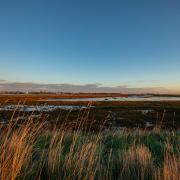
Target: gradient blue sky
[112, 42]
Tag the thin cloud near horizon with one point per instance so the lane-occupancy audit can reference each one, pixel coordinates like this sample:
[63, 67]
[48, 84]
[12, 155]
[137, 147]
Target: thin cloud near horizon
[87, 88]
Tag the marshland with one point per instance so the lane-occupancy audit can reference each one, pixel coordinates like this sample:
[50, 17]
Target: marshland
[88, 140]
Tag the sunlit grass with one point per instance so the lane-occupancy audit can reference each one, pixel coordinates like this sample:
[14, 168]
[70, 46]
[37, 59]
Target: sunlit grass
[31, 151]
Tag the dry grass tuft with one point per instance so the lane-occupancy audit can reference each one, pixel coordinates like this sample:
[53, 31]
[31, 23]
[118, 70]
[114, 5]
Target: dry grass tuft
[137, 163]
[170, 169]
[16, 148]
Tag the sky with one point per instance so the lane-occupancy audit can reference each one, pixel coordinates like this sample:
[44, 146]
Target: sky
[95, 44]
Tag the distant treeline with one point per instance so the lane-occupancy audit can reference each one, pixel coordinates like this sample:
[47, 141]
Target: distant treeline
[31, 92]
[94, 94]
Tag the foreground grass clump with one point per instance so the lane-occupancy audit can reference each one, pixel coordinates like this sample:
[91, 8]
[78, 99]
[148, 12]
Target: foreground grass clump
[31, 151]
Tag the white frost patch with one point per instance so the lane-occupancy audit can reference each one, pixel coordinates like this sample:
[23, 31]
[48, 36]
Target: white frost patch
[145, 111]
[149, 124]
[39, 108]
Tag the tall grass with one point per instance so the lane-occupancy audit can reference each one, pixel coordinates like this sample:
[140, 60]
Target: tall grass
[31, 151]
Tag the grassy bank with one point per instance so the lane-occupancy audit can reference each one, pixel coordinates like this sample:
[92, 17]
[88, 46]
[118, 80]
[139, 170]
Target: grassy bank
[31, 151]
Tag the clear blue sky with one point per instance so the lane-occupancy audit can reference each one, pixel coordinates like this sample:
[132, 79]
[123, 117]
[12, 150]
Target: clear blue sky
[113, 42]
